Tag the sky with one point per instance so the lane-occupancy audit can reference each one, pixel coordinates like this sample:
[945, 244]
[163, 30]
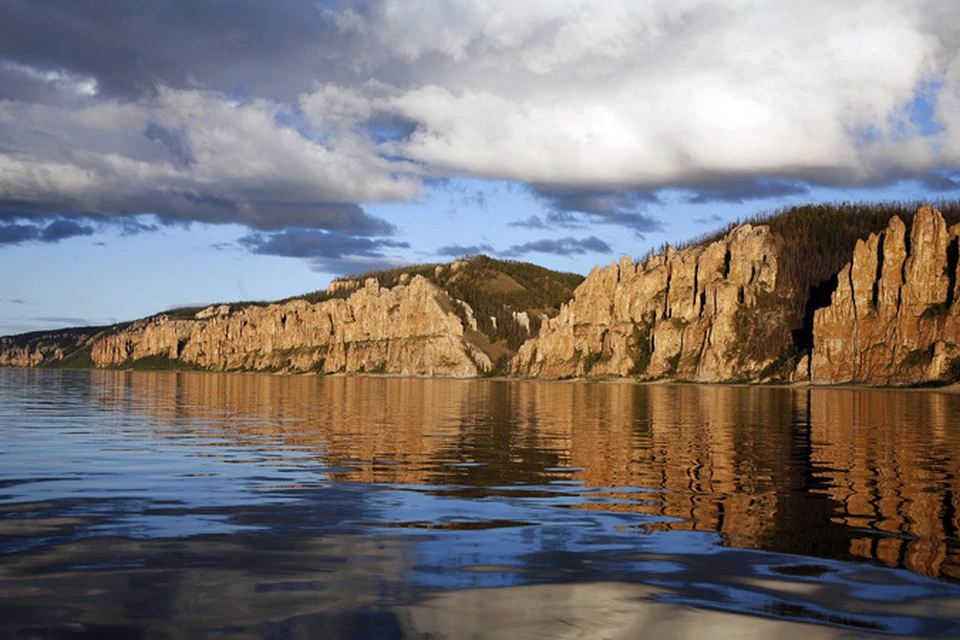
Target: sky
[166, 153]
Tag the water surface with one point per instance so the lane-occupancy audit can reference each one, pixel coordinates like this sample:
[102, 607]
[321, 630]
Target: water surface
[252, 506]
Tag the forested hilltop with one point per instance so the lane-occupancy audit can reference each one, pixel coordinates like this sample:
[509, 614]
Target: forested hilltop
[831, 293]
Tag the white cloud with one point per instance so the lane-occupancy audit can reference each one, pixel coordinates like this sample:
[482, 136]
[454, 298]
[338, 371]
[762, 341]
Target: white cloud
[648, 94]
[571, 93]
[78, 84]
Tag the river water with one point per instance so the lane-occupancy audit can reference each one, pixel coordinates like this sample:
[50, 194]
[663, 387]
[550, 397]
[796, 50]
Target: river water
[178, 505]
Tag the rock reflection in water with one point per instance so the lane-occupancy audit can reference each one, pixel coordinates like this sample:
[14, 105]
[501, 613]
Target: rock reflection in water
[174, 504]
[824, 472]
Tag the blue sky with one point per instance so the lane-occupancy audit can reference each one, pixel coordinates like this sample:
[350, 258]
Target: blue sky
[155, 155]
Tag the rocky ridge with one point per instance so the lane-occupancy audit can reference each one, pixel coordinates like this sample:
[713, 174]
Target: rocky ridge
[894, 317]
[752, 305]
[700, 313]
[58, 348]
[410, 329]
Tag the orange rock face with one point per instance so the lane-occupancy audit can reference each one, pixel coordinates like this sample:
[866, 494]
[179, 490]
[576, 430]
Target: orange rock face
[894, 317]
[678, 315]
[409, 330]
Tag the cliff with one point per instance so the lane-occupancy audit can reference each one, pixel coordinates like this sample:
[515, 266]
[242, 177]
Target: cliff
[827, 293]
[459, 320]
[410, 329]
[63, 348]
[705, 313]
[894, 316]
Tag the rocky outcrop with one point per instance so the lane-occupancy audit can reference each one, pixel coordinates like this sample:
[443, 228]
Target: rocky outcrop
[741, 308]
[894, 316]
[703, 313]
[51, 348]
[411, 329]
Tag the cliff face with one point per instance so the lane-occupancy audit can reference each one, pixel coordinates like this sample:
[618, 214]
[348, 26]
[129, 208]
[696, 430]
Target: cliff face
[728, 310]
[410, 329]
[894, 316]
[47, 347]
[702, 313]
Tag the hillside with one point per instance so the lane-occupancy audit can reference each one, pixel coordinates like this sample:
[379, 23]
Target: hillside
[464, 318]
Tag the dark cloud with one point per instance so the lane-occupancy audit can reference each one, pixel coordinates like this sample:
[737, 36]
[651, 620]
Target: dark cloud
[294, 115]
[326, 252]
[14, 301]
[531, 222]
[572, 207]
[18, 233]
[65, 321]
[55, 231]
[271, 213]
[712, 219]
[740, 191]
[173, 142]
[478, 200]
[350, 265]
[562, 247]
[938, 181]
[134, 227]
[18, 229]
[458, 250]
[61, 229]
[310, 243]
[131, 47]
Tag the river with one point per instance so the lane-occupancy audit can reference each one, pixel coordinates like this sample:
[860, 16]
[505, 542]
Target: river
[160, 505]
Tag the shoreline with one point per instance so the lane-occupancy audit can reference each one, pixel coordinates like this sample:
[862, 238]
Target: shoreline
[952, 388]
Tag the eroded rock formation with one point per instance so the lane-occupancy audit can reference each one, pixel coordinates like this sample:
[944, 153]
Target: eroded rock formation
[701, 313]
[729, 310]
[45, 347]
[894, 317]
[410, 329]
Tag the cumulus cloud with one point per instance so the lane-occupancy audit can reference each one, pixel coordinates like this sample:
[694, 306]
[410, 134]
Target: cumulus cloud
[189, 156]
[300, 116]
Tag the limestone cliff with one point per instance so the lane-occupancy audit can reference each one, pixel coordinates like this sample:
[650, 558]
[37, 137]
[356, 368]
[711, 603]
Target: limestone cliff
[768, 301]
[66, 347]
[703, 313]
[410, 329]
[894, 316]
